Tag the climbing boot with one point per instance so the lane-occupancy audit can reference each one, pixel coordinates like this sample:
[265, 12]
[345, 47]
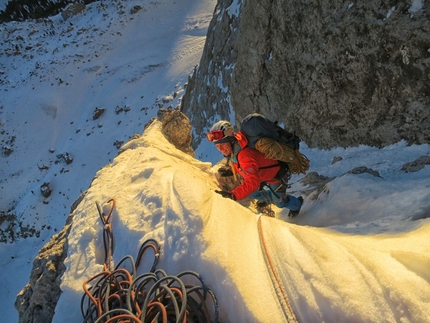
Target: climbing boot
[292, 213]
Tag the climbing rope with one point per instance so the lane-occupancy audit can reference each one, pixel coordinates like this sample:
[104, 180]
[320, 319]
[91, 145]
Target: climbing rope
[272, 149]
[276, 280]
[108, 240]
[120, 296]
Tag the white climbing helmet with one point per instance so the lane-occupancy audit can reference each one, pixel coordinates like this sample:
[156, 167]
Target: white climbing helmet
[217, 134]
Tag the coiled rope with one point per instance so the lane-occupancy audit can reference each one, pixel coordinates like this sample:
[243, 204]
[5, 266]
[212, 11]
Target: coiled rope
[120, 296]
[272, 149]
[276, 280]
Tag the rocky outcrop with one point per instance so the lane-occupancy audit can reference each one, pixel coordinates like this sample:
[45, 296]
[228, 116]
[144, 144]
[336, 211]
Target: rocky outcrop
[336, 73]
[208, 89]
[176, 128]
[72, 10]
[37, 300]
[416, 165]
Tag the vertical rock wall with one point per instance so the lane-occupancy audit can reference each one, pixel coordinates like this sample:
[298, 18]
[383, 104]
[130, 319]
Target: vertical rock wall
[338, 73]
[208, 89]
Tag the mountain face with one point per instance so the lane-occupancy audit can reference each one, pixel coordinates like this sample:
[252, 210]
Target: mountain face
[336, 73]
[358, 71]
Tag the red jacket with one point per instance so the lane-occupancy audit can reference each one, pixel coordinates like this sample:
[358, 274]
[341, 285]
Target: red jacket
[250, 164]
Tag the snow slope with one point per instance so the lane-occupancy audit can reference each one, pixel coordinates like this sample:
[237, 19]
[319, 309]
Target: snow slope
[358, 252]
[3, 4]
[54, 75]
[327, 275]
[57, 73]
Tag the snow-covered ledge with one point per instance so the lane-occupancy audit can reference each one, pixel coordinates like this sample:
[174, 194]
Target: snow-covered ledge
[36, 302]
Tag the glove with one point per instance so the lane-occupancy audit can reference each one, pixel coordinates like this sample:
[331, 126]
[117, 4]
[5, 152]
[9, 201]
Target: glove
[224, 172]
[227, 195]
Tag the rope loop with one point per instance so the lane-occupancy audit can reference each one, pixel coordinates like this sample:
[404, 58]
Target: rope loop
[120, 296]
[272, 149]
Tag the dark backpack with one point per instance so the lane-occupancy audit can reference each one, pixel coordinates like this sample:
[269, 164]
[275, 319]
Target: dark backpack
[256, 126]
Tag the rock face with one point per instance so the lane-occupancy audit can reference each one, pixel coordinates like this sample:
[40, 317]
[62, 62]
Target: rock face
[337, 73]
[37, 300]
[208, 89]
[176, 128]
[72, 10]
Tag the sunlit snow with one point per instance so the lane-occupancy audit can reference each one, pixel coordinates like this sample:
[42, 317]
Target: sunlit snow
[328, 275]
[358, 252]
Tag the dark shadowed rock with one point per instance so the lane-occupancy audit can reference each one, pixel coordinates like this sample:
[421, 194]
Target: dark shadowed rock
[98, 113]
[416, 165]
[72, 10]
[364, 169]
[315, 183]
[46, 190]
[36, 302]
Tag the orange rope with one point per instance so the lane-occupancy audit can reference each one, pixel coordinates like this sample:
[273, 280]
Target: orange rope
[117, 296]
[288, 310]
[233, 170]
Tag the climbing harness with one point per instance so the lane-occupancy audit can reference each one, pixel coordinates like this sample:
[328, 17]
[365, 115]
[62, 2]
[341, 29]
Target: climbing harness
[276, 280]
[122, 296]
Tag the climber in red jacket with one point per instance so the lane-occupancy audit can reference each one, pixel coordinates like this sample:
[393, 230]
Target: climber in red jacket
[253, 167]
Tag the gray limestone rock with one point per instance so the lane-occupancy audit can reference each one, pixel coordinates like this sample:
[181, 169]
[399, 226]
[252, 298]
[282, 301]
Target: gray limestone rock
[337, 73]
[37, 300]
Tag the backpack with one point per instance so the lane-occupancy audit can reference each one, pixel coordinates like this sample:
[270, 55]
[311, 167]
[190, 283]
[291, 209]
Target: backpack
[274, 142]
